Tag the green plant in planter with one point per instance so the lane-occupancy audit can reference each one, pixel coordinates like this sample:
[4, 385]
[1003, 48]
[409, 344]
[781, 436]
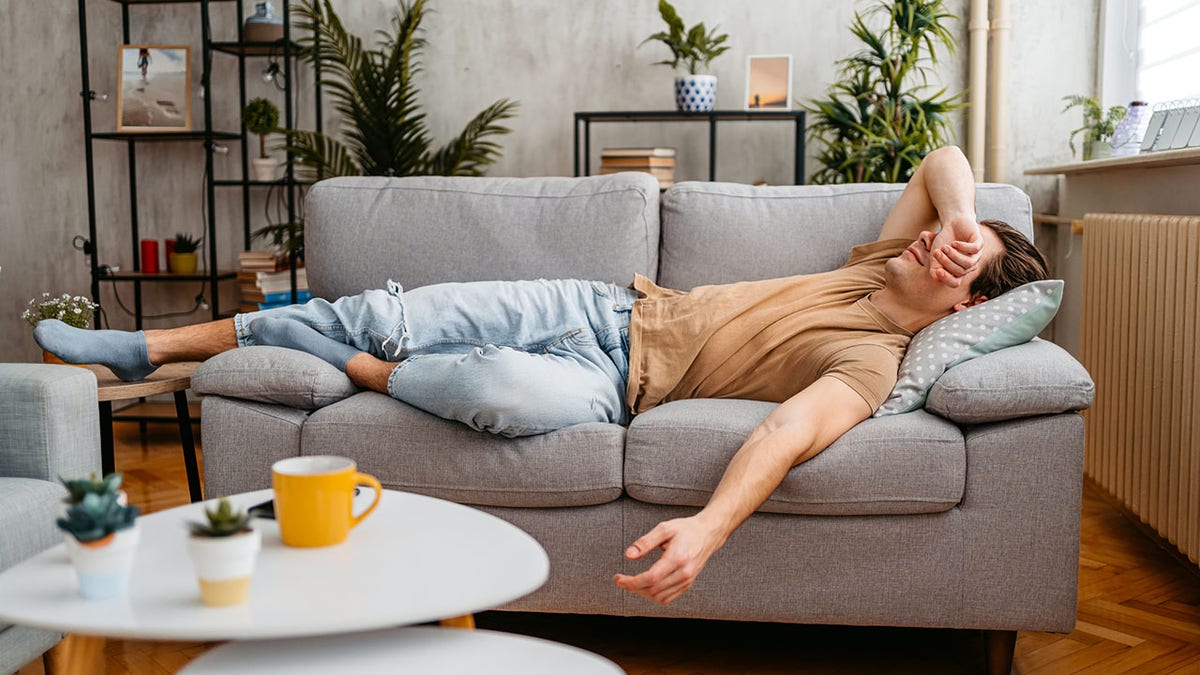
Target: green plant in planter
[692, 47]
[222, 521]
[97, 516]
[374, 92]
[877, 123]
[261, 117]
[186, 243]
[79, 488]
[73, 310]
[1098, 125]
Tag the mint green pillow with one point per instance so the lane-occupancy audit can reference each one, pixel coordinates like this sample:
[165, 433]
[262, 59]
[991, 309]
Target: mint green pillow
[1011, 319]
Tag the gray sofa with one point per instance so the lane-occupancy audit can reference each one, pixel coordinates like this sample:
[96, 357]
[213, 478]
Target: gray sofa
[49, 427]
[964, 514]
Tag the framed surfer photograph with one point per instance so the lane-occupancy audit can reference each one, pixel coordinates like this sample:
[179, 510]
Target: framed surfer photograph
[155, 91]
[769, 82]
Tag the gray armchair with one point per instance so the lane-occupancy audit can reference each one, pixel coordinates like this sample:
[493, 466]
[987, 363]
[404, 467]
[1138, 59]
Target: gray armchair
[49, 427]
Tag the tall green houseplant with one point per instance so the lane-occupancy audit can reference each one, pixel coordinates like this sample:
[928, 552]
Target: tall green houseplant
[878, 122]
[373, 91]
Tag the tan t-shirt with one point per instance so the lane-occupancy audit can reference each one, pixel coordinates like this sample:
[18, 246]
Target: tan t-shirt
[766, 340]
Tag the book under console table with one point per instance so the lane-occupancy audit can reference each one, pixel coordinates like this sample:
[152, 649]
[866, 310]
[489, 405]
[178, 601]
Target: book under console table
[585, 120]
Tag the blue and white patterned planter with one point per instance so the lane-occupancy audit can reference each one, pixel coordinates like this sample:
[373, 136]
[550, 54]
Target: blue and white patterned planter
[695, 93]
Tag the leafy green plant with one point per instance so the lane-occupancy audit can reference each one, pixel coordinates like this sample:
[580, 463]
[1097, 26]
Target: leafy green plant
[222, 521]
[96, 516]
[1098, 125]
[693, 47]
[79, 488]
[261, 117]
[879, 120]
[72, 310]
[374, 93]
[186, 243]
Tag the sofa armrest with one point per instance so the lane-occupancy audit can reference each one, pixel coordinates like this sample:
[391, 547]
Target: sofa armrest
[1036, 378]
[273, 375]
[49, 421]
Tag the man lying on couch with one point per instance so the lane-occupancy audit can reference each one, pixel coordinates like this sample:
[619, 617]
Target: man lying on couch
[529, 357]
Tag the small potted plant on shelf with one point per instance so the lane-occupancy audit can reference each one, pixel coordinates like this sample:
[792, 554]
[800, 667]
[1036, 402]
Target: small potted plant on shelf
[261, 117]
[184, 259]
[694, 48]
[101, 537]
[223, 550]
[73, 310]
[1098, 126]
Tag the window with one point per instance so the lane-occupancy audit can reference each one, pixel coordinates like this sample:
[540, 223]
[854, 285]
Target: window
[1150, 51]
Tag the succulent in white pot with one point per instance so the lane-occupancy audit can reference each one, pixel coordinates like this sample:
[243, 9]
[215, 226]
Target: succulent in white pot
[79, 488]
[693, 48]
[224, 549]
[102, 537]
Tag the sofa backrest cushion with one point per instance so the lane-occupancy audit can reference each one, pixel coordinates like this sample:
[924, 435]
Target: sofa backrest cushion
[360, 232]
[714, 233]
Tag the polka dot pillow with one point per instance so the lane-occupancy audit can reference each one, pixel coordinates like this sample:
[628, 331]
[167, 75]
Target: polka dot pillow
[1011, 319]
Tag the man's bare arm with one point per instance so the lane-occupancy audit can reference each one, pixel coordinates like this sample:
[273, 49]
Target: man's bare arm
[796, 431]
[941, 194]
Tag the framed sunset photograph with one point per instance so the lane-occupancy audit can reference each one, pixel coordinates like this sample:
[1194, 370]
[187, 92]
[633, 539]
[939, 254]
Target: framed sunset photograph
[769, 82]
[155, 91]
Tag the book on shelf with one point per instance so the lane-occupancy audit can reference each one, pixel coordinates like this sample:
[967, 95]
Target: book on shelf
[638, 162]
[276, 297]
[660, 173]
[265, 261]
[637, 152]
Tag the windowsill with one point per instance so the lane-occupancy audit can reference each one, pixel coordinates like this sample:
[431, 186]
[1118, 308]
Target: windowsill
[1146, 160]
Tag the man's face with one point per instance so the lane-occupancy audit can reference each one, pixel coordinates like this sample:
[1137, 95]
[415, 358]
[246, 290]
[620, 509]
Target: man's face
[909, 275]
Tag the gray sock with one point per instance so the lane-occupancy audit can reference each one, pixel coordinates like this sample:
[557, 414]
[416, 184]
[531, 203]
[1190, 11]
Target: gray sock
[295, 335]
[122, 352]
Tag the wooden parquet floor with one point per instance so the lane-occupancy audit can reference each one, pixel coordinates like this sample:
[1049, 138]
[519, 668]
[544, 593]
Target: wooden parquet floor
[1139, 612]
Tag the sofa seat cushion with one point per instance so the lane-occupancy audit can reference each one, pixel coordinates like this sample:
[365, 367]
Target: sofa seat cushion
[28, 509]
[903, 464]
[407, 449]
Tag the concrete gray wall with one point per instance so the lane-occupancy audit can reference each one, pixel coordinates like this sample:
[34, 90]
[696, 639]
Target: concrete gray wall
[554, 56]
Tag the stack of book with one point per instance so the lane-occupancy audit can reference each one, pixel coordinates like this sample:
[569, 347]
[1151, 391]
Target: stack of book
[265, 280]
[658, 162]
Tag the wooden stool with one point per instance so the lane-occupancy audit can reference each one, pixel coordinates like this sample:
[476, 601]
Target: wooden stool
[173, 378]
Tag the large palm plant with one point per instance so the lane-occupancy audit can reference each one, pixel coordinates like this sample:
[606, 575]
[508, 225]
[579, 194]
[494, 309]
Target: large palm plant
[372, 90]
[877, 123]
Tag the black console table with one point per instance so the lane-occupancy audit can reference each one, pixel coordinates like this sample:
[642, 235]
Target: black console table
[586, 118]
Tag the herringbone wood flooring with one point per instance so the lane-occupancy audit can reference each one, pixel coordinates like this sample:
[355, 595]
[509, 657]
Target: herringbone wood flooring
[1139, 612]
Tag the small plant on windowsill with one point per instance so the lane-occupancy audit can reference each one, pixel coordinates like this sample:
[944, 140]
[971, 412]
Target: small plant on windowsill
[223, 549]
[1098, 127]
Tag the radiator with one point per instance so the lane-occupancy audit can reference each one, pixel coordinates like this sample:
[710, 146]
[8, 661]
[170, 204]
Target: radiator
[1141, 343]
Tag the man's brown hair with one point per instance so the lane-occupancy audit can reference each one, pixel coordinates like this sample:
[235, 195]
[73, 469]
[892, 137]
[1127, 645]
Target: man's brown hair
[1019, 263]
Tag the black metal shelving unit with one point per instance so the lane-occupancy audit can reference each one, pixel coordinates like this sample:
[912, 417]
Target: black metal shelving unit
[286, 51]
[586, 119]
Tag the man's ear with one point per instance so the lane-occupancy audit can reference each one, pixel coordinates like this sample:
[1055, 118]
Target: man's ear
[971, 302]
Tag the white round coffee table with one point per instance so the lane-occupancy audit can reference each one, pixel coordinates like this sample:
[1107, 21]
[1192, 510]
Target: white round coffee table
[425, 650]
[415, 559]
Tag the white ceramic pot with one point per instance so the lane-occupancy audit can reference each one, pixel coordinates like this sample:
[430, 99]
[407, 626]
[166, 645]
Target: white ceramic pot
[224, 566]
[695, 93]
[264, 169]
[103, 567]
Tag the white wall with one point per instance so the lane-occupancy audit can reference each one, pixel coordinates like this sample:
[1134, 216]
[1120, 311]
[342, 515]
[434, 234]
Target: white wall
[554, 56]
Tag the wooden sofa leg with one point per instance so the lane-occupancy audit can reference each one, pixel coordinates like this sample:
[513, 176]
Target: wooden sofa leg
[999, 646]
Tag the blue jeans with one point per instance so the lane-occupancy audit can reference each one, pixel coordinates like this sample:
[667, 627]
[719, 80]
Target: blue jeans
[514, 358]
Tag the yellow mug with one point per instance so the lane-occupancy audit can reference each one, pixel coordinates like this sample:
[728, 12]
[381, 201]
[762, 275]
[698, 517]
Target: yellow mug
[314, 498]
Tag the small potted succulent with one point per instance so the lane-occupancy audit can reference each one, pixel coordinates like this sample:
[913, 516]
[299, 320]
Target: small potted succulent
[79, 488]
[1098, 127]
[223, 550]
[183, 259]
[101, 538]
[73, 310]
[692, 48]
[262, 117]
